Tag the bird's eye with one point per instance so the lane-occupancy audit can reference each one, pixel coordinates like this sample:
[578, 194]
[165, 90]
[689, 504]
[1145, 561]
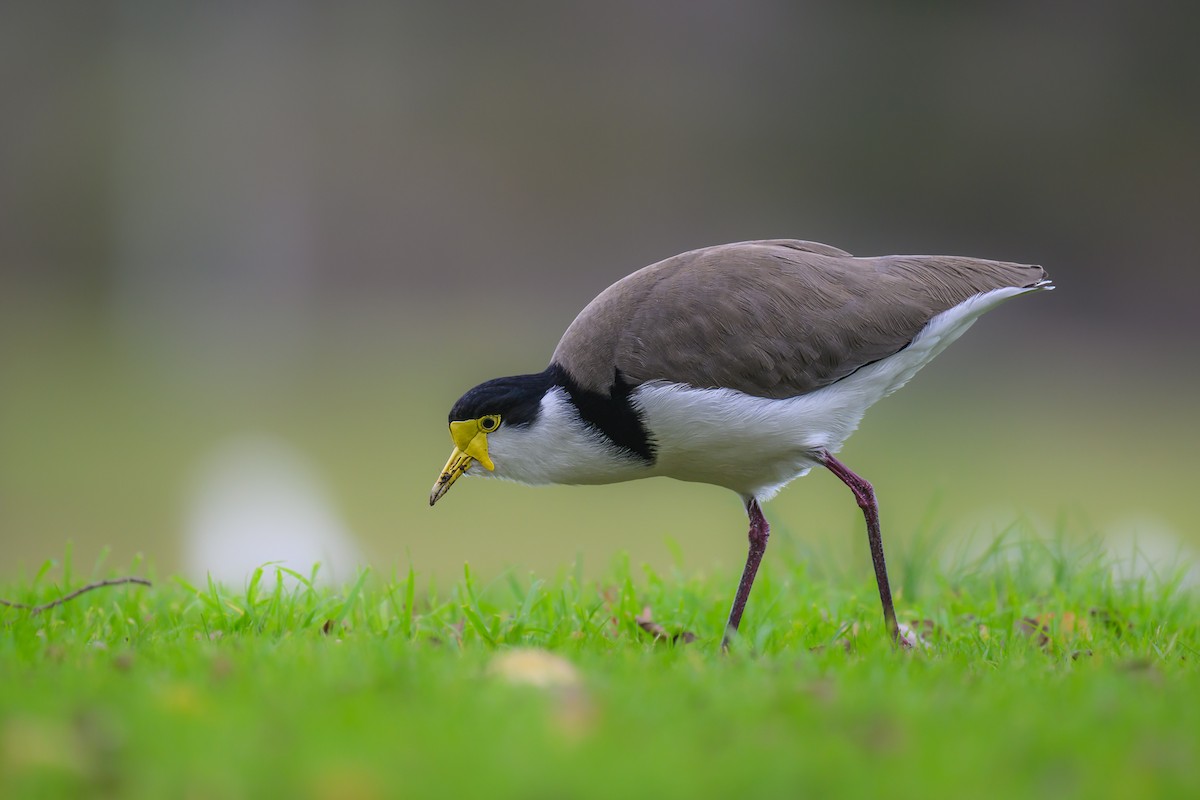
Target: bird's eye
[489, 423]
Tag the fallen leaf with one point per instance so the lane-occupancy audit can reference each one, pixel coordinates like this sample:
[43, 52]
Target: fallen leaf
[924, 627]
[31, 744]
[846, 645]
[1111, 621]
[532, 666]
[1073, 624]
[222, 667]
[840, 638]
[1033, 626]
[646, 622]
[346, 781]
[571, 710]
[1070, 626]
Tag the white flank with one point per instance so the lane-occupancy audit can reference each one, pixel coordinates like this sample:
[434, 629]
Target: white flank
[756, 446]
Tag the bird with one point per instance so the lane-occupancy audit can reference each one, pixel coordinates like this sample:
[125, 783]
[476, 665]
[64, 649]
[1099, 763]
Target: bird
[740, 365]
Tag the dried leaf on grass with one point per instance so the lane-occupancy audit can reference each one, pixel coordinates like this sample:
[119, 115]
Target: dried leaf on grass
[1034, 627]
[572, 711]
[925, 628]
[844, 638]
[608, 595]
[533, 667]
[1069, 624]
[646, 622]
[1111, 621]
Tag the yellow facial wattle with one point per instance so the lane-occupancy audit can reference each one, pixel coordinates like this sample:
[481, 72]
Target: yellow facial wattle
[470, 445]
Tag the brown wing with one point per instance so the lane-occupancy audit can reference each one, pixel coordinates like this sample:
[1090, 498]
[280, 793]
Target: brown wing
[773, 318]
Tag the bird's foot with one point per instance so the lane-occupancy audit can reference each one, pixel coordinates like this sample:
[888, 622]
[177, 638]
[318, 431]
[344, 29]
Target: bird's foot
[907, 638]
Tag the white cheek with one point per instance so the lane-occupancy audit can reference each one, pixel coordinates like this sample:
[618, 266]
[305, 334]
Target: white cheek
[556, 448]
[499, 442]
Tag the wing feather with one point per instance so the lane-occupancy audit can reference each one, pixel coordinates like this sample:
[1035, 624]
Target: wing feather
[775, 318]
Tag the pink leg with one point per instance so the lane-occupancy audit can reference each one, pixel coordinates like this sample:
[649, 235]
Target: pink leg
[865, 494]
[759, 532]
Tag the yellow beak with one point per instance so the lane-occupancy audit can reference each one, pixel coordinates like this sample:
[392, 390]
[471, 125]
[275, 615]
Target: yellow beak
[470, 445]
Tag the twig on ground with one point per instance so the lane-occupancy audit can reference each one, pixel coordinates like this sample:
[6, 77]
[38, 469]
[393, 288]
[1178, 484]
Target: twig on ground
[68, 597]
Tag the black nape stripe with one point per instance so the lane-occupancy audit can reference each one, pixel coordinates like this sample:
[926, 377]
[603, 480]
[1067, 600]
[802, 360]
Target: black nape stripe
[518, 400]
[612, 414]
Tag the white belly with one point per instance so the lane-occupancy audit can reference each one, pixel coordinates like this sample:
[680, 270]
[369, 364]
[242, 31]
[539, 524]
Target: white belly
[751, 445]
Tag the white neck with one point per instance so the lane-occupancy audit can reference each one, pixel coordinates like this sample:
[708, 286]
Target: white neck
[557, 447]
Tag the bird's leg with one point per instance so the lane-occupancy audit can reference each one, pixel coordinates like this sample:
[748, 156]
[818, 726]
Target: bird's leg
[759, 533]
[865, 494]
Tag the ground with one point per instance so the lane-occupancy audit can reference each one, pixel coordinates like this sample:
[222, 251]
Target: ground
[1038, 674]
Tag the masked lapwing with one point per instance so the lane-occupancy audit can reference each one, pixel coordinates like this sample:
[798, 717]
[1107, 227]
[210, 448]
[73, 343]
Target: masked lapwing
[743, 365]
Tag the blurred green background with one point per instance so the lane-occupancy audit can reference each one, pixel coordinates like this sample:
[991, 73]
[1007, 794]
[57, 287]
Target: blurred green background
[315, 225]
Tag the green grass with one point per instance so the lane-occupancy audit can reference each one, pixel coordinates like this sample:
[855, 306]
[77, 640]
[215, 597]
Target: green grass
[1042, 676]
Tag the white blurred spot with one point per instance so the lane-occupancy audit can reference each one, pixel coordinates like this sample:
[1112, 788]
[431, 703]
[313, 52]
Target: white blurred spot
[997, 535]
[1136, 547]
[257, 500]
[1145, 547]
